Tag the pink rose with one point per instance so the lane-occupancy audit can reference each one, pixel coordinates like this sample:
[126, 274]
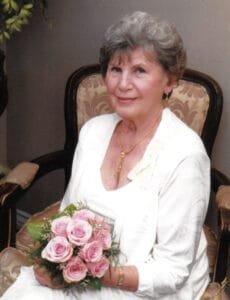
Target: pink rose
[79, 232]
[98, 269]
[59, 225]
[103, 236]
[75, 270]
[92, 252]
[84, 214]
[57, 250]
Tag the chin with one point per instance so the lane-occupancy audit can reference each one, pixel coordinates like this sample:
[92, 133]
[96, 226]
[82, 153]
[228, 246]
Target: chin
[127, 113]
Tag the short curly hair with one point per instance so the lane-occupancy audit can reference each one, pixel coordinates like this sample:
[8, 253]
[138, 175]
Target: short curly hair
[141, 29]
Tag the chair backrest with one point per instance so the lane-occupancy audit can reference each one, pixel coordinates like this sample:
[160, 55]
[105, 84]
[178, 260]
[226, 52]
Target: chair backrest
[197, 100]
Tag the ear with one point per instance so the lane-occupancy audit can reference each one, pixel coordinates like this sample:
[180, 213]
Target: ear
[171, 84]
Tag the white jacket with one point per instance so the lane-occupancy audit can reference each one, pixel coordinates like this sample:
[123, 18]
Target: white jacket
[159, 215]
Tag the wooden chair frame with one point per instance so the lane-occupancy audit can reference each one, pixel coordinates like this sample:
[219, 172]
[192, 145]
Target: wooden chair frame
[10, 193]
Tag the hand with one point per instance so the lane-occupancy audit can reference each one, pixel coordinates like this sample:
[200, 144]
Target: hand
[122, 277]
[44, 278]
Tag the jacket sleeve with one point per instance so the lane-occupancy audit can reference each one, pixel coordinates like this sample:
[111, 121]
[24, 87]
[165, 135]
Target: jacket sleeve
[77, 168]
[183, 202]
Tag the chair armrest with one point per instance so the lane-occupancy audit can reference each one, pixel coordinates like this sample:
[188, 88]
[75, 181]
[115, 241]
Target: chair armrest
[20, 176]
[50, 162]
[221, 186]
[17, 183]
[25, 174]
[218, 179]
[223, 204]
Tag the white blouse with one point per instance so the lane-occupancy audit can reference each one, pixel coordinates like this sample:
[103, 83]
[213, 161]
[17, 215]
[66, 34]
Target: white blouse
[160, 213]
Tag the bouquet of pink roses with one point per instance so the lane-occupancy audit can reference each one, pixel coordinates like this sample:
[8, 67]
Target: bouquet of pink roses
[76, 246]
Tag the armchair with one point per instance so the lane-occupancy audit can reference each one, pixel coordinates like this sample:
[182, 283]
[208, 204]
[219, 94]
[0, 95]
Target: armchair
[197, 100]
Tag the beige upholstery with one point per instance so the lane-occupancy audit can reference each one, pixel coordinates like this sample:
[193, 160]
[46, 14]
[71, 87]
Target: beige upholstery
[215, 291]
[92, 99]
[211, 248]
[23, 174]
[189, 101]
[11, 260]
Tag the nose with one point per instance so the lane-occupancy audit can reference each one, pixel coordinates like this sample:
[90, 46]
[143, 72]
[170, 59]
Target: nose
[125, 81]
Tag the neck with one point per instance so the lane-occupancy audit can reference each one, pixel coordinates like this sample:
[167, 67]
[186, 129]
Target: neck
[129, 147]
[133, 129]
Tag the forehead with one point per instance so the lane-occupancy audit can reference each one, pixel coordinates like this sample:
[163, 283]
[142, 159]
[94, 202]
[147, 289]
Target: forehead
[133, 56]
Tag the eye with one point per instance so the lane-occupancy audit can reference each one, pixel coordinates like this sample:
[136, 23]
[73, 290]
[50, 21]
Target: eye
[115, 69]
[140, 70]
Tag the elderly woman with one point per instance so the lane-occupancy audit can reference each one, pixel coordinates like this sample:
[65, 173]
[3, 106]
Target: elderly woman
[147, 171]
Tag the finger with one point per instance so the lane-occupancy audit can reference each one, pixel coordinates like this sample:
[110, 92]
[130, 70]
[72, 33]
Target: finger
[42, 276]
[45, 279]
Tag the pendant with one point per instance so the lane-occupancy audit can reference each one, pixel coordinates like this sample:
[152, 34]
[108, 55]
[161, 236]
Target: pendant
[120, 165]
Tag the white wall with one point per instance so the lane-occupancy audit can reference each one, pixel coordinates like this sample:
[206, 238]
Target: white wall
[39, 60]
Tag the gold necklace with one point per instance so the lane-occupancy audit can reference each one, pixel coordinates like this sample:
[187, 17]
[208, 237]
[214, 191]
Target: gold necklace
[124, 153]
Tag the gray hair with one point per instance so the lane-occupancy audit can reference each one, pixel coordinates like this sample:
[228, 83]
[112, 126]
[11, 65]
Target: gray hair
[152, 34]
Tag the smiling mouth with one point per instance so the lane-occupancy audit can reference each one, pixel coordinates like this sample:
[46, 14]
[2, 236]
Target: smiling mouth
[125, 99]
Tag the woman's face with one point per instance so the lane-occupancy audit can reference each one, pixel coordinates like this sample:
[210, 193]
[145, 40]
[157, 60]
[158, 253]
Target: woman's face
[136, 83]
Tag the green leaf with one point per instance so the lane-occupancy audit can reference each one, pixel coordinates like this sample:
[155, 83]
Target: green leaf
[15, 27]
[95, 283]
[36, 230]
[14, 5]
[69, 210]
[9, 6]
[25, 13]
[10, 21]
[2, 39]
[6, 35]
[23, 21]
[35, 252]
[6, 8]
[28, 6]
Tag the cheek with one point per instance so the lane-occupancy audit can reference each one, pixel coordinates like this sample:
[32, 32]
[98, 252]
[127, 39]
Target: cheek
[147, 87]
[156, 86]
[110, 85]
